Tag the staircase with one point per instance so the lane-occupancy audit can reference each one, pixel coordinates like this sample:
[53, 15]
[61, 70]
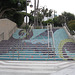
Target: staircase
[27, 52]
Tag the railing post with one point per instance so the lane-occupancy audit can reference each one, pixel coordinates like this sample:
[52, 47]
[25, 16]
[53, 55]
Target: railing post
[48, 38]
[54, 52]
[48, 53]
[18, 55]
[13, 53]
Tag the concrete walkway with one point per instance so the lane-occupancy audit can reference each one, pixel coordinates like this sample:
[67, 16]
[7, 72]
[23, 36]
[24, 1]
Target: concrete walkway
[37, 68]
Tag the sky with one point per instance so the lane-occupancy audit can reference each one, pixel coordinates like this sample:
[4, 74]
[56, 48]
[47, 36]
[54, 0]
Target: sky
[58, 5]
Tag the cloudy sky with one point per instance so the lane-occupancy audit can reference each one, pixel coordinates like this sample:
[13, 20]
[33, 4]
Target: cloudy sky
[58, 5]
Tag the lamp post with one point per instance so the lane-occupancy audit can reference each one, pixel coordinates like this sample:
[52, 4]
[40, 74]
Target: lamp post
[19, 4]
[27, 1]
[26, 19]
[36, 12]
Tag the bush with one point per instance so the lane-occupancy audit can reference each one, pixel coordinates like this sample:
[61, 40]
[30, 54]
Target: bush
[37, 27]
[71, 25]
[57, 22]
[44, 23]
[50, 21]
[26, 27]
[19, 19]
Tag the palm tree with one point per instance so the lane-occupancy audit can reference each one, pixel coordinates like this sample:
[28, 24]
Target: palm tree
[44, 11]
[32, 12]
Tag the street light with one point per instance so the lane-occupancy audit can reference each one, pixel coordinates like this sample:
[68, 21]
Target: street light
[36, 12]
[26, 16]
[27, 1]
[19, 4]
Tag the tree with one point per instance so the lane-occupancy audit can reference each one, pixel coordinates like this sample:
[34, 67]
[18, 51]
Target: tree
[11, 10]
[55, 21]
[71, 25]
[18, 18]
[50, 21]
[46, 12]
[58, 21]
[31, 19]
[68, 16]
[32, 12]
[11, 5]
[40, 17]
[64, 18]
[44, 23]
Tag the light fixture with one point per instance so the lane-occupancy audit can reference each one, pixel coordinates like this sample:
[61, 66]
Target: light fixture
[31, 5]
[19, 4]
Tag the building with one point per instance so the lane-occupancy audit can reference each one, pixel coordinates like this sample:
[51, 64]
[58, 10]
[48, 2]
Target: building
[51, 17]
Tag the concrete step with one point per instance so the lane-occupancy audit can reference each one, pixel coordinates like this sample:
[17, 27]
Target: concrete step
[32, 67]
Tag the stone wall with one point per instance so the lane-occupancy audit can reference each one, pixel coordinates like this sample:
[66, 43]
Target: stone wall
[7, 28]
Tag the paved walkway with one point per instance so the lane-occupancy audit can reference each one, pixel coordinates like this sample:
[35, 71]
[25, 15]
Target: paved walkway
[37, 68]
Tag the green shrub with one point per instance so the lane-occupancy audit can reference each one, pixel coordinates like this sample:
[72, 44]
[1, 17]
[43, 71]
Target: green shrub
[37, 27]
[44, 23]
[71, 25]
[19, 19]
[26, 27]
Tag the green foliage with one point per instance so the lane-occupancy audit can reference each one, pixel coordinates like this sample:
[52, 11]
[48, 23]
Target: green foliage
[9, 9]
[9, 14]
[47, 22]
[4, 4]
[61, 19]
[68, 16]
[37, 27]
[26, 27]
[31, 18]
[71, 25]
[44, 23]
[57, 21]
[18, 18]
[40, 17]
[50, 21]
[46, 12]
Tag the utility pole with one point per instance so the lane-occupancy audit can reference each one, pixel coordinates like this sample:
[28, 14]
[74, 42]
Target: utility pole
[26, 19]
[34, 13]
[37, 11]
